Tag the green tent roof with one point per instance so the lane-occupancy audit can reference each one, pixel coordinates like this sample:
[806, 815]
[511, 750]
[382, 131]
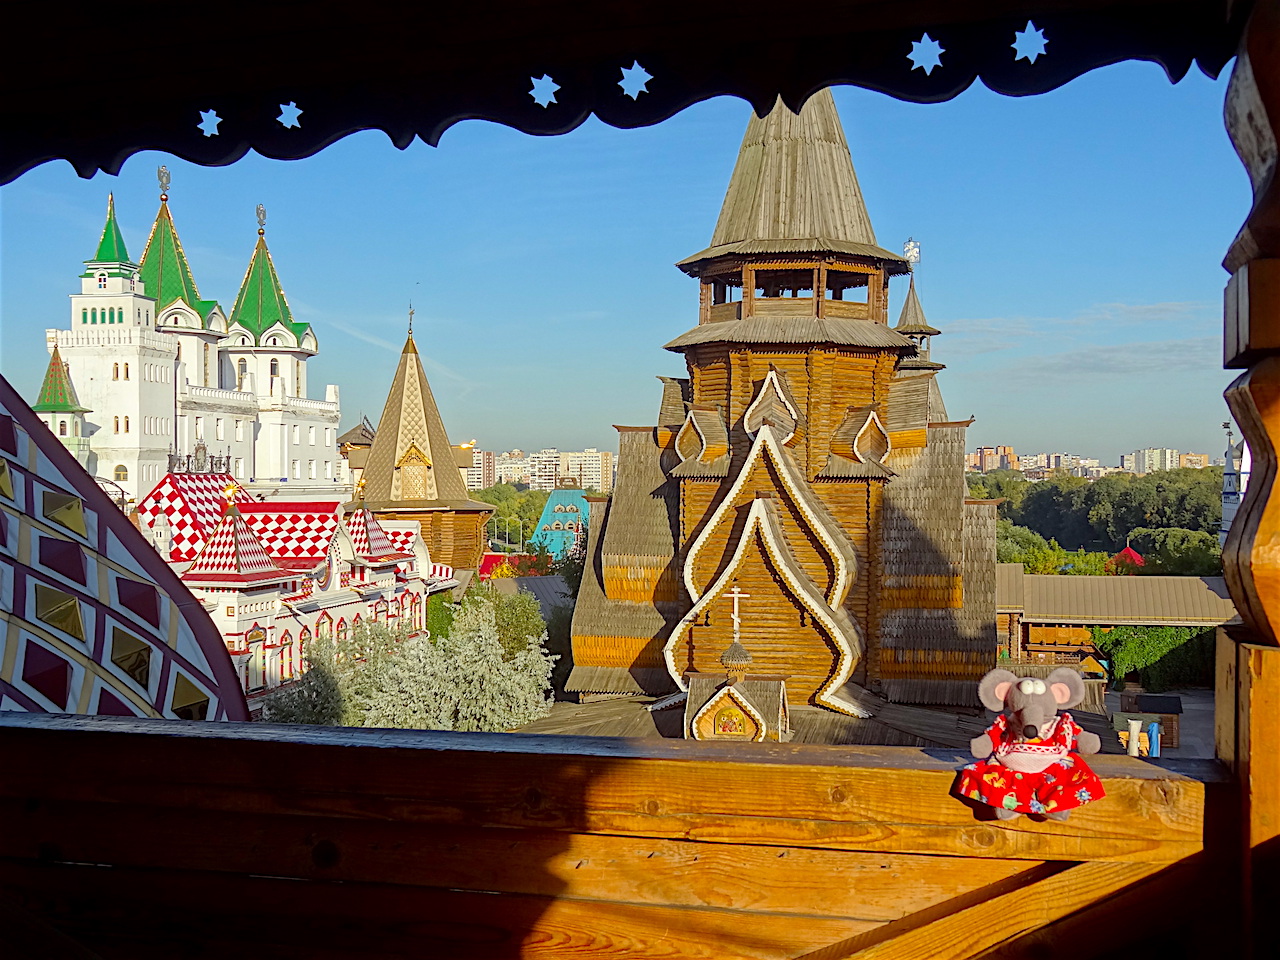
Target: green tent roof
[111, 245]
[165, 270]
[261, 302]
[57, 395]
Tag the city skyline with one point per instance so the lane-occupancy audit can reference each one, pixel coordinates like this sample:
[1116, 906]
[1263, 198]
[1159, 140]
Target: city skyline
[1080, 307]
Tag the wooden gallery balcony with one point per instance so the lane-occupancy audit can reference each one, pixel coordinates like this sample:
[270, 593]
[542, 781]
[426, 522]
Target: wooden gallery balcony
[140, 839]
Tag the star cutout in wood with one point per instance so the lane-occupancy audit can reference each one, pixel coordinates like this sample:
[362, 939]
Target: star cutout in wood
[1029, 43]
[544, 90]
[289, 114]
[634, 80]
[209, 121]
[926, 53]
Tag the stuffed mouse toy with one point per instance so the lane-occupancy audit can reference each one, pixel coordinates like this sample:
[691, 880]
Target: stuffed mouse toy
[1028, 758]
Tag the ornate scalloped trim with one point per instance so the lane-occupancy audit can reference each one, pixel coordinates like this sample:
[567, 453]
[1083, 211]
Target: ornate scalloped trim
[845, 562]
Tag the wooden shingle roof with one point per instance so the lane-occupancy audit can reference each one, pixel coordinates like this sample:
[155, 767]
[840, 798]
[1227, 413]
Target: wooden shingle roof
[794, 190]
[806, 330]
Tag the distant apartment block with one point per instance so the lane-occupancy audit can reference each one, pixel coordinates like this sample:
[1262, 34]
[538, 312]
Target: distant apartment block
[1034, 461]
[1151, 459]
[544, 468]
[1194, 461]
[483, 472]
[592, 468]
[986, 459]
[512, 467]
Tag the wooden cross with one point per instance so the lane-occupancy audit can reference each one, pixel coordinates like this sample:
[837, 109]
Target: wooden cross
[737, 595]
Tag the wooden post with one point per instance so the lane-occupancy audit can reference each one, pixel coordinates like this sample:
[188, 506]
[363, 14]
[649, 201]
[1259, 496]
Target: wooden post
[748, 290]
[1247, 725]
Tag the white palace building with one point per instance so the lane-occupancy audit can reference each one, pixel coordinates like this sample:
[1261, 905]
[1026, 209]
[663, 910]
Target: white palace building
[161, 380]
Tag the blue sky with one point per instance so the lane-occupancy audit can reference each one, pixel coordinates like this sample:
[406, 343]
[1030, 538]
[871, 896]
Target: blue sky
[1071, 251]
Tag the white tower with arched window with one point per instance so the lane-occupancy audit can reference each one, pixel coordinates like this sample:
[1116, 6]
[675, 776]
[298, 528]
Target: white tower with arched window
[121, 368]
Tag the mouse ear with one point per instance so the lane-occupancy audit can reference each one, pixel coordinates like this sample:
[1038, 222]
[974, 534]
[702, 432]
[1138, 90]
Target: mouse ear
[1066, 685]
[994, 687]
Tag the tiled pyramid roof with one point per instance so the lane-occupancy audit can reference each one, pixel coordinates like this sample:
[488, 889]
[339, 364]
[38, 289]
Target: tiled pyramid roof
[192, 503]
[57, 394]
[165, 271]
[411, 419]
[111, 245]
[369, 539]
[261, 302]
[234, 555]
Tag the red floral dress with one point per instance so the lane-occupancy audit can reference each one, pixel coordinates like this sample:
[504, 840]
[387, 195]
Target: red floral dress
[1031, 776]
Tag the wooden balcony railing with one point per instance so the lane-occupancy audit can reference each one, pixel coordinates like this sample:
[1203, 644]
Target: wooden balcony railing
[142, 839]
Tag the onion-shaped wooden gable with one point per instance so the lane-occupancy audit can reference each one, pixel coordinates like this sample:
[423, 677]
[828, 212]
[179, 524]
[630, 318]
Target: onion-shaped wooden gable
[702, 444]
[812, 534]
[859, 447]
[784, 617]
[775, 404]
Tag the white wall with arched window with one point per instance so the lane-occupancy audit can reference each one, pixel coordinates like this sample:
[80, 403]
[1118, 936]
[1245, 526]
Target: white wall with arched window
[120, 474]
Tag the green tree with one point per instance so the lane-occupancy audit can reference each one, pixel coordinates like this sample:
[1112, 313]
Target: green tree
[1016, 544]
[1013, 542]
[1008, 485]
[465, 681]
[1101, 515]
[1176, 551]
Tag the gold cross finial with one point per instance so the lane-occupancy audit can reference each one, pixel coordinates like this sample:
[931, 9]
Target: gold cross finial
[411, 318]
[360, 484]
[229, 491]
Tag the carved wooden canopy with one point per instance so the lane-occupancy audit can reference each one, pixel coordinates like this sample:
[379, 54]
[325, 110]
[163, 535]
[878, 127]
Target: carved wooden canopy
[284, 78]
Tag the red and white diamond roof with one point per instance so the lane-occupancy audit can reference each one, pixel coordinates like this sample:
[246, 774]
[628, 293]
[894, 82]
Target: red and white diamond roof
[192, 504]
[234, 555]
[370, 540]
[296, 534]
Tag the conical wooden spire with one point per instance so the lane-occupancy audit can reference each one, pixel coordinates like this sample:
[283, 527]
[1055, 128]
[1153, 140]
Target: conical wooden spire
[794, 189]
[410, 462]
[912, 319]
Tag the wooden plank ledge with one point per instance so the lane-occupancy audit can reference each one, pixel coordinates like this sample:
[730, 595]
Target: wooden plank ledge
[873, 799]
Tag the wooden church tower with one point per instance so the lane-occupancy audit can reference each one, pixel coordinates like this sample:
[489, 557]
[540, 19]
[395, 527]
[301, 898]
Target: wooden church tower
[803, 487]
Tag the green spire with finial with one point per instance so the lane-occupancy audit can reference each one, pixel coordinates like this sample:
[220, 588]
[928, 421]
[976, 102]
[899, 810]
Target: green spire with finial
[111, 245]
[57, 395]
[165, 271]
[261, 302]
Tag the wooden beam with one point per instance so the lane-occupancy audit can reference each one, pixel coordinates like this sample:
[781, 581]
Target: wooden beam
[798, 881]
[970, 931]
[1110, 921]
[145, 914]
[874, 799]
